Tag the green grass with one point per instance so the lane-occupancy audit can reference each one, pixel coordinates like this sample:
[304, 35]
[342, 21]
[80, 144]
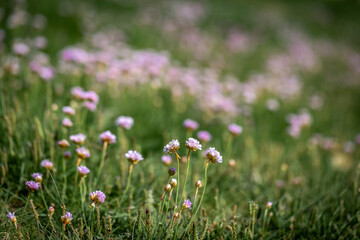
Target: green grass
[315, 192]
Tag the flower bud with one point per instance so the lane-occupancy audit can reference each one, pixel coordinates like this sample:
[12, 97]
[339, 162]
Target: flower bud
[173, 183]
[172, 171]
[198, 184]
[167, 188]
[51, 210]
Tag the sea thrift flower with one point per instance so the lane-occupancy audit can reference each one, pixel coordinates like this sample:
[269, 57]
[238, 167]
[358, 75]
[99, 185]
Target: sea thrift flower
[235, 129]
[83, 171]
[78, 138]
[63, 143]
[212, 155]
[21, 49]
[91, 96]
[66, 219]
[191, 125]
[133, 156]
[47, 164]
[69, 111]
[172, 171]
[77, 93]
[172, 146]
[193, 144]
[32, 186]
[173, 183]
[66, 122]
[204, 136]
[11, 216]
[187, 204]
[83, 153]
[108, 137]
[125, 122]
[37, 177]
[91, 106]
[67, 154]
[166, 159]
[97, 197]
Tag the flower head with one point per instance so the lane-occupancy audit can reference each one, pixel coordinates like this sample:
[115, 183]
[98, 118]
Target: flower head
[269, 205]
[133, 156]
[32, 186]
[187, 204]
[212, 155]
[91, 106]
[83, 171]
[91, 96]
[97, 197]
[68, 110]
[166, 159]
[204, 136]
[66, 219]
[78, 138]
[83, 153]
[125, 122]
[77, 92]
[66, 122]
[63, 143]
[37, 177]
[108, 137]
[191, 125]
[198, 184]
[235, 129]
[172, 171]
[193, 144]
[11, 216]
[47, 164]
[172, 146]
[67, 154]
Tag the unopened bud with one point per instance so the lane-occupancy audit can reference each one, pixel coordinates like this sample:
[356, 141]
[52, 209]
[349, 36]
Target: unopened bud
[198, 184]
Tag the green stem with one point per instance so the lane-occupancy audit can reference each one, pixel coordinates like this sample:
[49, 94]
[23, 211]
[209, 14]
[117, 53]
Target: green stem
[128, 182]
[65, 178]
[27, 202]
[178, 180]
[42, 196]
[202, 196]
[102, 161]
[187, 173]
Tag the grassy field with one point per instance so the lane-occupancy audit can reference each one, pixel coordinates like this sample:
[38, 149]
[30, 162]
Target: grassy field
[275, 84]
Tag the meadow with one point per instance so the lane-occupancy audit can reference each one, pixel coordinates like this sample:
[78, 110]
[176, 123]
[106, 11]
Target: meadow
[179, 119]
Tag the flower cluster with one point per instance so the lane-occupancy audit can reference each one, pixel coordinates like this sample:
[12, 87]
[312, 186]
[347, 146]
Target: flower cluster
[47, 164]
[212, 155]
[66, 219]
[90, 98]
[125, 122]
[32, 186]
[133, 156]
[83, 171]
[235, 129]
[97, 197]
[66, 122]
[107, 137]
[78, 138]
[172, 146]
[63, 143]
[11, 216]
[187, 204]
[204, 136]
[68, 110]
[37, 177]
[191, 125]
[83, 153]
[166, 159]
[193, 144]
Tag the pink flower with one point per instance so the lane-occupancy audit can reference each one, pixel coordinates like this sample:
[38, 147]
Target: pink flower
[204, 136]
[47, 164]
[83, 153]
[78, 138]
[32, 186]
[66, 122]
[235, 129]
[193, 144]
[133, 156]
[68, 110]
[212, 155]
[108, 137]
[191, 125]
[172, 146]
[83, 171]
[125, 122]
[97, 197]
[166, 159]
